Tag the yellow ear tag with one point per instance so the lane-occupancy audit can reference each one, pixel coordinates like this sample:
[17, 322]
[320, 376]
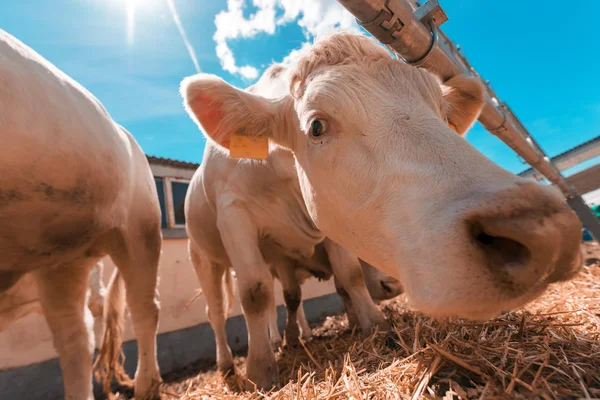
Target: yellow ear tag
[241, 146]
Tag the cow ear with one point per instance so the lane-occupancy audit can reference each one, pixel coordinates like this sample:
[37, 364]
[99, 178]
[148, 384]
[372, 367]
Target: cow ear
[463, 102]
[222, 111]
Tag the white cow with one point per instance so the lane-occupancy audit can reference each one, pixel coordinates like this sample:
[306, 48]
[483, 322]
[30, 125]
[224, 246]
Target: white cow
[287, 219]
[292, 277]
[363, 162]
[74, 187]
[380, 287]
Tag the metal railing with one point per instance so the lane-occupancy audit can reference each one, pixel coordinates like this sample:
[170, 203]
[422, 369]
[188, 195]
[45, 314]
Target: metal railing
[411, 31]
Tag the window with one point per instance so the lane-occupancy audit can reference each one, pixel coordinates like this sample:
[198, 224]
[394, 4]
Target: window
[179, 189]
[160, 188]
[171, 196]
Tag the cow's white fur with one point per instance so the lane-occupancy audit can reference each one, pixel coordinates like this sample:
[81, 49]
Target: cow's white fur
[389, 180]
[74, 187]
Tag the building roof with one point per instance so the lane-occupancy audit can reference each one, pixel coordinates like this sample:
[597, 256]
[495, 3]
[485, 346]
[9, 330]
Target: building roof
[571, 157]
[586, 181]
[168, 162]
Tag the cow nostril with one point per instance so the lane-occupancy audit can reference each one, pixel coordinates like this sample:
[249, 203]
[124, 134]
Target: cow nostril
[501, 251]
[385, 287]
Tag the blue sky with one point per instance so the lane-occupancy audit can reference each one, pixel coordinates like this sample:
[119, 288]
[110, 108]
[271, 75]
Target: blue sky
[540, 56]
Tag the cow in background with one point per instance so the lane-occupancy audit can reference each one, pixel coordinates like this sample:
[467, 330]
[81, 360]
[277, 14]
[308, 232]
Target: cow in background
[292, 277]
[380, 286]
[75, 187]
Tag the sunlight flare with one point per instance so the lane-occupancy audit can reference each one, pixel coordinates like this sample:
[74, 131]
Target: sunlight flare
[130, 10]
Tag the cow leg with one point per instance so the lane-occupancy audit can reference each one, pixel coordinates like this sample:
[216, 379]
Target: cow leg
[20, 300]
[63, 292]
[347, 269]
[240, 237]
[97, 298]
[292, 296]
[274, 328]
[305, 330]
[97, 290]
[211, 281]
[136, 254]
[352, 318]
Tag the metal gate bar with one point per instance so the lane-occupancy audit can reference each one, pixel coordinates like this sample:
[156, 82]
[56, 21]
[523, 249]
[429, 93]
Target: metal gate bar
[411, 31]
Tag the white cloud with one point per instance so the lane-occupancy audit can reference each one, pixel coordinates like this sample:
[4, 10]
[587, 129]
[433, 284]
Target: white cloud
[315, 17]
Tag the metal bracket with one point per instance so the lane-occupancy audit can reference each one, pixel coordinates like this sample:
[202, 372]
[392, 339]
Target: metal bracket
[431, 11]
[387, 23]
[390, 19]
[502, 127]
[425, 57]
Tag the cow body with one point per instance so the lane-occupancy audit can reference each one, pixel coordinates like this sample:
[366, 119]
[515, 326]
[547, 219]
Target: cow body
[274, 193]
[280, 231]
[74, 187]
[386, 176]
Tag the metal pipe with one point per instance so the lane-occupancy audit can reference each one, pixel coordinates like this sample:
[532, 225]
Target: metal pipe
[363, 10]
[415, 39]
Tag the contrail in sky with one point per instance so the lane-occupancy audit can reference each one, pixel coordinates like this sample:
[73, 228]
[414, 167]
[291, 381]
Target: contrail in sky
[183, 35]
[130, 22]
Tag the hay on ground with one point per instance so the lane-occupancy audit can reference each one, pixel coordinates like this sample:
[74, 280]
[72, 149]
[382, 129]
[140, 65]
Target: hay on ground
[550, 349]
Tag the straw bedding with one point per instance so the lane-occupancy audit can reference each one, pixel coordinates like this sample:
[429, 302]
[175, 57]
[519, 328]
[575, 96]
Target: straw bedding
[550, 349]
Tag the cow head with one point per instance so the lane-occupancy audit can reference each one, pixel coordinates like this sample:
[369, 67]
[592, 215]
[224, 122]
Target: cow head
[386, 172]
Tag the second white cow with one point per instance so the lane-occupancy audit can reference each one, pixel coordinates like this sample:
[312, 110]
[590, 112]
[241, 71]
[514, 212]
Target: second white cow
[285, 236]
[292, 276]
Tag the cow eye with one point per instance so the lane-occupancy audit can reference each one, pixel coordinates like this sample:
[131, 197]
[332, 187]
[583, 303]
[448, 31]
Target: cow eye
[317, 127]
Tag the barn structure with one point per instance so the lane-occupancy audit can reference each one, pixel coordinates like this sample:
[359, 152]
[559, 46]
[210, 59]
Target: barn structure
[586, 182]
